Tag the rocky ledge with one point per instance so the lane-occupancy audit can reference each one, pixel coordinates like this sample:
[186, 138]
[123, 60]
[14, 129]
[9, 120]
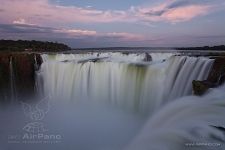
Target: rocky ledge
[216, 77]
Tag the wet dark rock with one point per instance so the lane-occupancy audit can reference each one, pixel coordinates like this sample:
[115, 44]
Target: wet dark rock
[125, 53]
[4, 77]
[17, 76]
[219, 128]
[216, 77]
[38, 61]
[200, 87]
[217, 74]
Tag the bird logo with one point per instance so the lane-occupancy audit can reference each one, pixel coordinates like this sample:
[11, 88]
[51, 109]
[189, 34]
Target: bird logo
[36, 113]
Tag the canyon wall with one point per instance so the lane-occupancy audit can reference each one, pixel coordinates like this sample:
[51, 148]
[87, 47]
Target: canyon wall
[17, 76]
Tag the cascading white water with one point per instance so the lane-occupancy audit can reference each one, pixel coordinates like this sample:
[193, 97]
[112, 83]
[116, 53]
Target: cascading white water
[187, 123]
[119, 79]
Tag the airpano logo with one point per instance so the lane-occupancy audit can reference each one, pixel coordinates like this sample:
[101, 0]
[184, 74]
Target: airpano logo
[36, 131]
[36, 114]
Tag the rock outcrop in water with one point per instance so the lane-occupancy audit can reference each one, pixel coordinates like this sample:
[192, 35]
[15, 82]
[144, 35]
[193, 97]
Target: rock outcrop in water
[147, 57]
[17, 75]
[216, 77]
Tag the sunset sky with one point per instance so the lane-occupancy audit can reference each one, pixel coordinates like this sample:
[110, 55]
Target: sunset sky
[107, 23]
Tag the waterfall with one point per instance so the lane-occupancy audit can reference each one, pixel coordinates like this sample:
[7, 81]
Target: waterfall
[35, 63]
[119, 79]
[13, 92]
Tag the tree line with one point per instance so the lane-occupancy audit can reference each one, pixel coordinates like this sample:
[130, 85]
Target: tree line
[24, 45]
[220, 47]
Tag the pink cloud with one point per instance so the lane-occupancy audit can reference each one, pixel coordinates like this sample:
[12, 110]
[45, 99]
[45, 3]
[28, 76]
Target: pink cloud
[121, 36]
[124, 36]
[76, 32]
[42, 12]
[163, 12]
[24, 31]
[22, 21]
[185, 13]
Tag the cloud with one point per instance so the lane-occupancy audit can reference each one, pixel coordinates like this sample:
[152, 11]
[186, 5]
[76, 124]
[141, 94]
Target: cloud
[42, 12]
[76, 32]
[24, 28]
[179, 3]
[22, 21]
[89, 38]
[173, 11]
[34, 32]
[185, 13]
[83, 34]
[122, 36]
[76, 38]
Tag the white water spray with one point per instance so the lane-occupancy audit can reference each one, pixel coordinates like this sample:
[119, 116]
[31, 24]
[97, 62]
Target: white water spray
[186, 123]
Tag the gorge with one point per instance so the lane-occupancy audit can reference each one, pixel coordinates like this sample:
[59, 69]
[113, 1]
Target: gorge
[126, 100]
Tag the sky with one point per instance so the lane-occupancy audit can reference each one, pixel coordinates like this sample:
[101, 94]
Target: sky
[115, 23]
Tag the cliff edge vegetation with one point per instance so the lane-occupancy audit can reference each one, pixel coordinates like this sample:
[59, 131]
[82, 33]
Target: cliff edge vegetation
[23, 45]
